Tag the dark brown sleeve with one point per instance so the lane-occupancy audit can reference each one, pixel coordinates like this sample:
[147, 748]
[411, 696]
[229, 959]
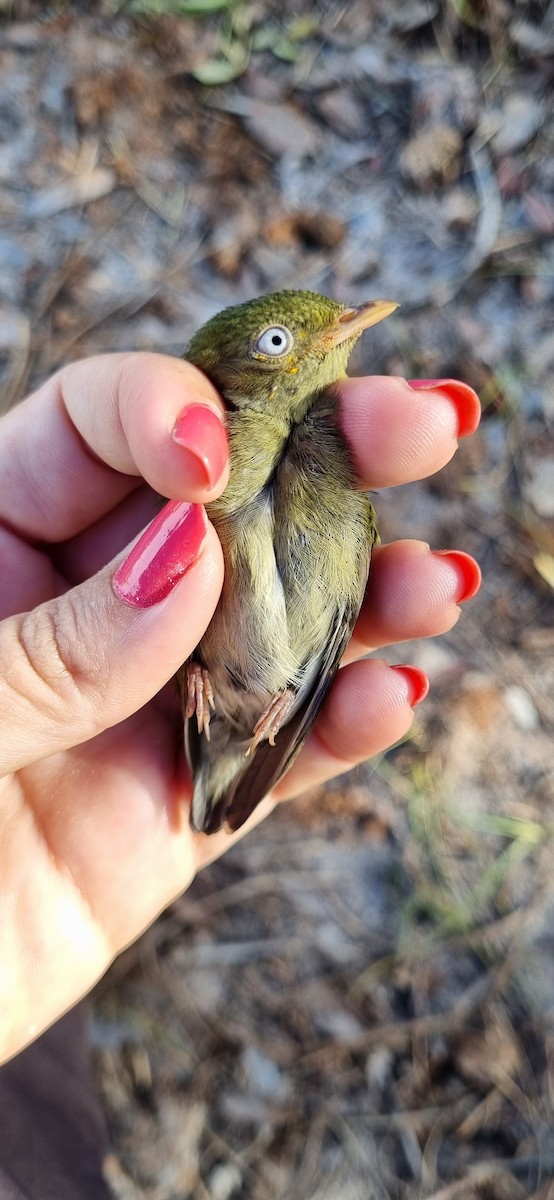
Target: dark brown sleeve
[53, 1139]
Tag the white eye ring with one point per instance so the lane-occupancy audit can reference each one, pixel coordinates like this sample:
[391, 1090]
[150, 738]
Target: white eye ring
[275, 341]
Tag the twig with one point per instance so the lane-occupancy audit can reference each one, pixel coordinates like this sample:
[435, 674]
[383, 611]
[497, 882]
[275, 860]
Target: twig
[400, 1033]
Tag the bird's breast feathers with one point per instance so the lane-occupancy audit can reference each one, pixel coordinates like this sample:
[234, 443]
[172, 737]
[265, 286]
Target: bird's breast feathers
[289, 540]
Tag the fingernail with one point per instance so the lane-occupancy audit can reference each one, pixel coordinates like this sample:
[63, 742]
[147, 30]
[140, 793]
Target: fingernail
[465, 400]
[201, 433]
[467, 570]
[418, 683]
[162, 555]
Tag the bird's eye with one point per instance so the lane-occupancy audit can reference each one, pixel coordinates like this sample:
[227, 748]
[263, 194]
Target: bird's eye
[275, 341]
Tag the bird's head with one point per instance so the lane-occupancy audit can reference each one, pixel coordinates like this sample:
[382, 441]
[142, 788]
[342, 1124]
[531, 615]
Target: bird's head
[271, 353]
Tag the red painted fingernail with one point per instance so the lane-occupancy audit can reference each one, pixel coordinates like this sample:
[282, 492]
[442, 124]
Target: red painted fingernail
[465, 400]
[467, 570]
[162, 555]
[418, 683]
[202, 434]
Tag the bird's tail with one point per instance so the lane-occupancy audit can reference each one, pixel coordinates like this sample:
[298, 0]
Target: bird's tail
[215, 780]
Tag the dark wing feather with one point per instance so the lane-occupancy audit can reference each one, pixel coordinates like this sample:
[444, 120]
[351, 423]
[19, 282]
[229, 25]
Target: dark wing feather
[270, 763]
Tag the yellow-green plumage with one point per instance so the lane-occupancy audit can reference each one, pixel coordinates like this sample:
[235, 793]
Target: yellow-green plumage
[296, 535]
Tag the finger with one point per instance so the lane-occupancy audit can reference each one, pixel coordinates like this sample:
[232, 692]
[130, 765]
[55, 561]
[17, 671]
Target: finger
[85, 661]
[29, 576]
[90, 550]
[399, 431]
[412, 592]
[368, 708]
[84, 440]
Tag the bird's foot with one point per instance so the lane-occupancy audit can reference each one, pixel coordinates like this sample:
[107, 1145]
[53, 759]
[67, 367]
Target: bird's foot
[200, 697]
[273, 717]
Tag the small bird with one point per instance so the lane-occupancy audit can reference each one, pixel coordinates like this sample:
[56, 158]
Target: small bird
[297, 535]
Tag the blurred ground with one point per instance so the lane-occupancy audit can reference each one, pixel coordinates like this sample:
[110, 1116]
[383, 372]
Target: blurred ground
[358, 1001]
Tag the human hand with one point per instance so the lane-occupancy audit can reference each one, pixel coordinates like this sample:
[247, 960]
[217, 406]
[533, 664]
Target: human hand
[94, 792]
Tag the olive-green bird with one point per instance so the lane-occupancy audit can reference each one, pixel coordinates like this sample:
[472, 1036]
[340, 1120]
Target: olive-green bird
[296, 533]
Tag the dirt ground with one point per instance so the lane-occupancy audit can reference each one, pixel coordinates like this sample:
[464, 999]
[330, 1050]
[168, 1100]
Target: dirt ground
[358, 1001]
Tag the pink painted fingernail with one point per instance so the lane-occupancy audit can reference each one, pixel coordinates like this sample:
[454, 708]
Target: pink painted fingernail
[461, 395]
[163, 554]
[201, 433]
[418, 683]
[467, 570]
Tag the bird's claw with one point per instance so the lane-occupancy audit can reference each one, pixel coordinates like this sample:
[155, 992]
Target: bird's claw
[200, 697]
[273, 717]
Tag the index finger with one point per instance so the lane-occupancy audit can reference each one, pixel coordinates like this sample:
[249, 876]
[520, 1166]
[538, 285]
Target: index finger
[92, 433]
[399, 431]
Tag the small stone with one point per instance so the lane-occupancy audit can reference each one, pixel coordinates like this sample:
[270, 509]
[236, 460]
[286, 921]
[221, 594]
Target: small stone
[460, 209]
[339, 1024]
[343, 113]
[408, 17]
[224, 1182]
[378, 1067]
[331, 941]
[282, 130]
[520, 119]
[263, 1077]
[432, 158]
[521, 708]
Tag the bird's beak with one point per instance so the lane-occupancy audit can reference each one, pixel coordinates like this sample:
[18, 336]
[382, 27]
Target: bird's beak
[353, 321]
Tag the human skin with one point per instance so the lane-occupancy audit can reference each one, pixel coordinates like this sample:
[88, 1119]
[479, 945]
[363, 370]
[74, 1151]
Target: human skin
[93, 794]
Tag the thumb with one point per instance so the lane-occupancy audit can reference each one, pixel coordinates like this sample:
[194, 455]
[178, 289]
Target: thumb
[85, 661]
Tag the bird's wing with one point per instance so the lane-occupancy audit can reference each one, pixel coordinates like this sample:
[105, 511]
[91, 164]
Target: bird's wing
[269, 763]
